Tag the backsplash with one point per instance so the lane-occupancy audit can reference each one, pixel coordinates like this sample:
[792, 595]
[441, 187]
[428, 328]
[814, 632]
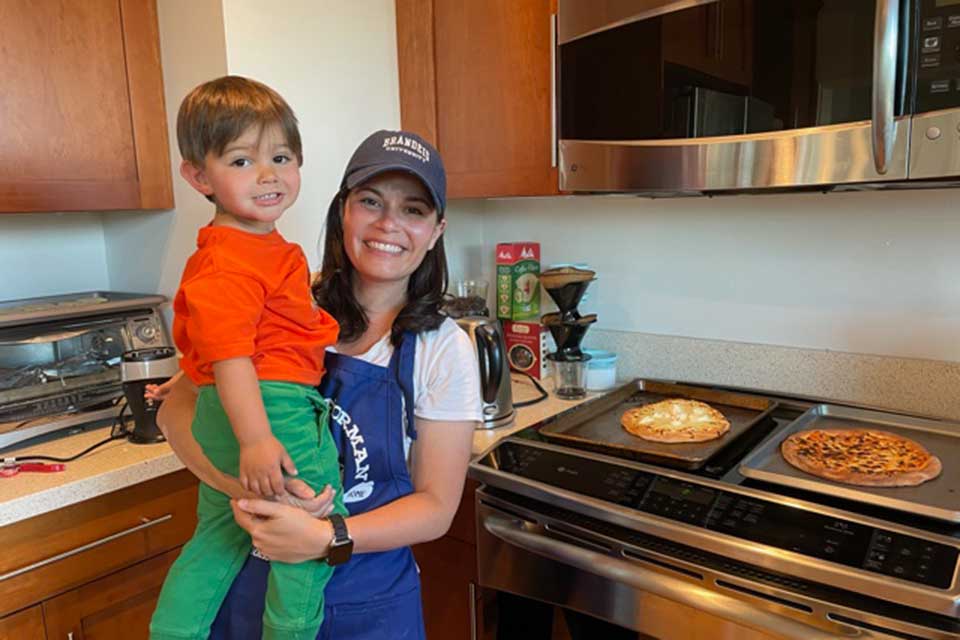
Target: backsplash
[49, 253]
[908, 385]
[872, 272]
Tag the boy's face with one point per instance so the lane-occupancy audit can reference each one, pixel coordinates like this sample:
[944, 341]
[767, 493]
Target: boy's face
[253, 181]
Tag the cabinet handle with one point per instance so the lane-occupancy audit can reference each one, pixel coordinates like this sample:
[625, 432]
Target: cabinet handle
[472, 591]
[90, 545]
[70, 635]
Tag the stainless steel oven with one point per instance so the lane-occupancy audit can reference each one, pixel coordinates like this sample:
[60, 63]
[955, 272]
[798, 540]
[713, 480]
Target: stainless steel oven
[706, 552]
[690, 96]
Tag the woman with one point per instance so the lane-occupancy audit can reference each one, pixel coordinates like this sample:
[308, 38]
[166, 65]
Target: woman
[399, 395]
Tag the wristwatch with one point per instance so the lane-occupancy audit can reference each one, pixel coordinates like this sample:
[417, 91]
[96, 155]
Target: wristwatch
[341, 548]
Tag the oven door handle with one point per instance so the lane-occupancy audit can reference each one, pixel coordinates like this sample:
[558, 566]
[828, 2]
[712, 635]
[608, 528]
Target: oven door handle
[529, 537]
[886, 30]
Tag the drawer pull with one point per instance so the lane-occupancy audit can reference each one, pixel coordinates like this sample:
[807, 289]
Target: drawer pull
[90, 545]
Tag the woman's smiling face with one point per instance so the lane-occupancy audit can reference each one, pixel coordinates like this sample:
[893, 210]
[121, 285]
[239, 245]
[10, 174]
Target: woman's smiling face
[389, 224]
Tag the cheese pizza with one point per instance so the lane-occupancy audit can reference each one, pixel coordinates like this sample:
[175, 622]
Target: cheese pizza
[675, 420]
[865, 457]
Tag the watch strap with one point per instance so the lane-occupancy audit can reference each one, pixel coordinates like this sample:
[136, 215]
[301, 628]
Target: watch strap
[340, 534]
[341, 547]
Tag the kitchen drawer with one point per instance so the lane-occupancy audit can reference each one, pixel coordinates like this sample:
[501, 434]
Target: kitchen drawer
[57, 551]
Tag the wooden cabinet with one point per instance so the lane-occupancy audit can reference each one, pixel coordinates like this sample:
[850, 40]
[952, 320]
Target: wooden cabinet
[454, 606]
[84, 124]
[117, 606]
[94, 569]
[477, 79]
[25, 624]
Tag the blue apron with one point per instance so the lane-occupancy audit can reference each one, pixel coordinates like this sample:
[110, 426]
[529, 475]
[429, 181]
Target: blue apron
[374, 596]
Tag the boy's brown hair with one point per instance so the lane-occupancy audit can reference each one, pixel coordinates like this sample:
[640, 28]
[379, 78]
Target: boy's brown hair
[218, 112]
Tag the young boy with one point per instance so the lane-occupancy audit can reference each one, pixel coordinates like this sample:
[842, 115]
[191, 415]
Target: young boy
[253, 342]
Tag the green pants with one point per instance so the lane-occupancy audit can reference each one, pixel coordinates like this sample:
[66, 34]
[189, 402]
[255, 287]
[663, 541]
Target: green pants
[201, 576]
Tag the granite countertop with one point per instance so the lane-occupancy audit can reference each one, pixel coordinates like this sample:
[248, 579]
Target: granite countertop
[121, 464]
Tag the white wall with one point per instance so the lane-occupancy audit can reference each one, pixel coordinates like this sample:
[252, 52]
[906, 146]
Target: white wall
[50, 253]
[335, 62]
[868, 272]
[147, 251]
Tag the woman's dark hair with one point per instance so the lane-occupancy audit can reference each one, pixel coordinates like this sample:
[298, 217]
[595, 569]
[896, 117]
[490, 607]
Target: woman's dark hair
[333, 290]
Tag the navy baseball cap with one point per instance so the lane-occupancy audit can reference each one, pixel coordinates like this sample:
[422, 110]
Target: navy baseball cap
[398, 151]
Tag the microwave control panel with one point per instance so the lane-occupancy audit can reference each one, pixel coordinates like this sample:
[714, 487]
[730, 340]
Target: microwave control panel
[938, 55]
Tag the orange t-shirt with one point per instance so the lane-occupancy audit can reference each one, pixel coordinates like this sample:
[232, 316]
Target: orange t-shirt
[248, 294]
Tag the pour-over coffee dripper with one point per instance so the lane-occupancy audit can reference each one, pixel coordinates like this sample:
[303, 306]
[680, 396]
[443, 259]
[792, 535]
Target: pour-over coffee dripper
[568, 333]
[566, 286]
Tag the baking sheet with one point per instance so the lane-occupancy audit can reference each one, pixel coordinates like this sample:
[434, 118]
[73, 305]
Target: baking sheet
[603, 433]
[938, 498]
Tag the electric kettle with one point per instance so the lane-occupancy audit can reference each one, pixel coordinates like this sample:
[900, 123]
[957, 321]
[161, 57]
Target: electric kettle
[487, 337]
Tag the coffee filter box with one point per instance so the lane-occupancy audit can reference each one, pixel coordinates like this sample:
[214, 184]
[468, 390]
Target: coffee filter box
[526, 347]
[518, 288]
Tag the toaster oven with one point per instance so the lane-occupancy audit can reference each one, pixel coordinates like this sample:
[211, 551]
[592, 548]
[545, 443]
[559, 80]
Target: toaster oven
[60, 358]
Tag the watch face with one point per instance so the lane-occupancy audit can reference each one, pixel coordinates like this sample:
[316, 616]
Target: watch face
[340, 552]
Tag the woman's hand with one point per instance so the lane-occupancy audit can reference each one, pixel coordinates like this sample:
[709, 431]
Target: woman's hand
[282, 532]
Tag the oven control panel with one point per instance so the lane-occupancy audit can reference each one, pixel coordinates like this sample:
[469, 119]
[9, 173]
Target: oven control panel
[789, 528]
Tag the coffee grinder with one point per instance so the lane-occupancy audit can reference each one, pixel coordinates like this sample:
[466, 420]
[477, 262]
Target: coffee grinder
[139, 368]
[566, 286]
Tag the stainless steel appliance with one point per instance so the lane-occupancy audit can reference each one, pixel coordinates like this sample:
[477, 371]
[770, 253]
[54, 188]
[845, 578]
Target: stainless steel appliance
[495, 392]
[663, 546]
[676, 97]
[140, 368]
[60, 358]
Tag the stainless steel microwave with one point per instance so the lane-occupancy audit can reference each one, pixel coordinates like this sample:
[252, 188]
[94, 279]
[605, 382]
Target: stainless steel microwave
[673, 97]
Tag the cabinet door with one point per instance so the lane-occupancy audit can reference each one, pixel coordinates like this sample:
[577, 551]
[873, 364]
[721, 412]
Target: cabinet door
[453, 605]
[22, 625]
[477, 79]
[84, 124]
[117, 606]
[448, 577]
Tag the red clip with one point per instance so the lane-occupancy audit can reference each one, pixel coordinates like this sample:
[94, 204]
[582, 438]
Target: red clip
[13, 468]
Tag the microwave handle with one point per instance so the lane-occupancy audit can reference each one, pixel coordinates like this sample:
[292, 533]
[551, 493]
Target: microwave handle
[553, 89]
[885, 36]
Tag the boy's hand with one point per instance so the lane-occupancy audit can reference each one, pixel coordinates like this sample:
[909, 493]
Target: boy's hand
[300, 495]
[262, 464]
[158, 392]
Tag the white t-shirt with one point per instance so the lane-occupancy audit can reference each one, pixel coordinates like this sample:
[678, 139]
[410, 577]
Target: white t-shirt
[446, 378]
